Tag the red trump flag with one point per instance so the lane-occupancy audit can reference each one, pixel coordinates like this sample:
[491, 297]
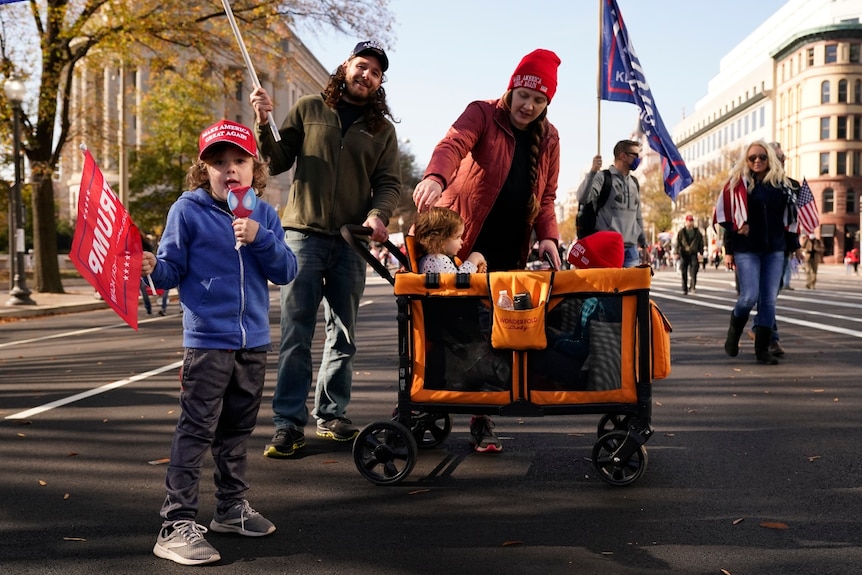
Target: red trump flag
[106, 248]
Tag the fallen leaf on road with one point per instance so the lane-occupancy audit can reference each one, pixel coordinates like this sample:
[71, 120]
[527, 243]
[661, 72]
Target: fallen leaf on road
[817, 390]
[417, 491]
[159, 461]
[814, 458]
[66, 496]
[738, 521]
[774, 525]
[725, 572]
[72, 454]
[43, 483]
[73, 539]
[22, 435]
[510, 543]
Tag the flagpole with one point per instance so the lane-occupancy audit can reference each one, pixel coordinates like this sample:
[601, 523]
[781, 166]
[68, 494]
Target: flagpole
[599, 85]
[254, 80]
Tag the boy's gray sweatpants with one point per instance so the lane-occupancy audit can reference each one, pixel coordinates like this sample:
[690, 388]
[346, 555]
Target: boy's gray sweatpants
[220, 398]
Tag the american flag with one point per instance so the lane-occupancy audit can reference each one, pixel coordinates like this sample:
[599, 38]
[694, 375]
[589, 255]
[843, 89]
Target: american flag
[809, 218]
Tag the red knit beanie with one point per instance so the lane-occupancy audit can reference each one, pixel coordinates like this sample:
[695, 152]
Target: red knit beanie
[598, 250]
[537, 71]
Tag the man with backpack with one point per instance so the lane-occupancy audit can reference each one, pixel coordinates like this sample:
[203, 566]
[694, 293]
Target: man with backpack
[610, 201]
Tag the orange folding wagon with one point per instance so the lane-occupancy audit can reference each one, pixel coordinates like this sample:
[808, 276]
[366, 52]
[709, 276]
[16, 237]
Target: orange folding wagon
[592, 342]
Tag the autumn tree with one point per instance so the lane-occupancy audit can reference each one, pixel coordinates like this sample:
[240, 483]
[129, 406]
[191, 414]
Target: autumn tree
[656, 205]
[50, 38]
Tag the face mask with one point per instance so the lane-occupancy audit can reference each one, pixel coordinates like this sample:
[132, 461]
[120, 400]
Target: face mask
[635, 163]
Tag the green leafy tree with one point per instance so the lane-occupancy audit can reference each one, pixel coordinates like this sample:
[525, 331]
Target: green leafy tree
[62, 33]
[159, 166]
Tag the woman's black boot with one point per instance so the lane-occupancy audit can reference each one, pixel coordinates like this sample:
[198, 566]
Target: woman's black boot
[731, 344]
[762, 339]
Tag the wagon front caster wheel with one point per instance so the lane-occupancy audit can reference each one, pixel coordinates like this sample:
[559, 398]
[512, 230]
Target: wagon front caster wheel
[385, 452]
[612, 467]
[429, 429]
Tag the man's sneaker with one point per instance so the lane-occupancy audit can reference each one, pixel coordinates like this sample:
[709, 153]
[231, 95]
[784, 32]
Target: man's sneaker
[285, 442]
[183, 542]
[242, 519]
[339, 429]
[482, 436]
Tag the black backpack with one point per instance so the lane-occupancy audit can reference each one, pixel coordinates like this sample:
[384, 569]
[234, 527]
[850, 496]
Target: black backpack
[585, 222]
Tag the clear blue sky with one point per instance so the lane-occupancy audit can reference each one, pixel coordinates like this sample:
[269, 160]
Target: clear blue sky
[447, 53]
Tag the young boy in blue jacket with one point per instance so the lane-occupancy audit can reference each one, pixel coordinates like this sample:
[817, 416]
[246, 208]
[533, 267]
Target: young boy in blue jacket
[222, 265]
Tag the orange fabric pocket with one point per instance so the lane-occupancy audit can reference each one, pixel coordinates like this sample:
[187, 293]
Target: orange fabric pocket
[660, 329]
[520, 329]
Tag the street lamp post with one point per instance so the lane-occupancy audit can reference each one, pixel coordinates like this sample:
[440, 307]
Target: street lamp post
[15, 91]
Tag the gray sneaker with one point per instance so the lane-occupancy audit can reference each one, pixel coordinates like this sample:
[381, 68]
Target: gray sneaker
[183, 542]
[339, 429]
[242, 519]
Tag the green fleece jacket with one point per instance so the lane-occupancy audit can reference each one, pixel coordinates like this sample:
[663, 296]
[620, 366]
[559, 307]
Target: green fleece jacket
[338, 180]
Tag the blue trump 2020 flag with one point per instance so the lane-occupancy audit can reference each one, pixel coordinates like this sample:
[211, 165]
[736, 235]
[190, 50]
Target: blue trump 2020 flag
[10, 1]
[623, 80]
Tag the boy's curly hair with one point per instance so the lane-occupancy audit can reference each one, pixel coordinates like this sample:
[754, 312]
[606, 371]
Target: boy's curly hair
[197, 176]
[434, 228]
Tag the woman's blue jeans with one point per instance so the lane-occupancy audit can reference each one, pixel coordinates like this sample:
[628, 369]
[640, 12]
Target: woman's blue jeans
[328, 269]
[758, 276]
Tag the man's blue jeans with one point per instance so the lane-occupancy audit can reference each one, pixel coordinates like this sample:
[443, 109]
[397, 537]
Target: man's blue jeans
[758, 276]
[632, 257]
[328, 269]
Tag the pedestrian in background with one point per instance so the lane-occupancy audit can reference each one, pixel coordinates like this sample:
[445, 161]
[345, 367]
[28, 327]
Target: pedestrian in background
[812, 250]
[347, 172]
[622, 212]
[757, 209]
[497, 167]
[226, 336]
[689, 244]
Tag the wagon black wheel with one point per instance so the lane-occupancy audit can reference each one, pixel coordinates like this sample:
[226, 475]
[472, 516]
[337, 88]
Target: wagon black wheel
[385, 452]
[613, 422]
[611, 467]
[429, 429]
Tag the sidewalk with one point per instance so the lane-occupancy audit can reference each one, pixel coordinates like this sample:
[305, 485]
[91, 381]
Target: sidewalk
[79, 296]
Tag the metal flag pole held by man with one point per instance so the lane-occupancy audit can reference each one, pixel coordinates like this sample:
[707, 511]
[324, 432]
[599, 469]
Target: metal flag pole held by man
[254, 80]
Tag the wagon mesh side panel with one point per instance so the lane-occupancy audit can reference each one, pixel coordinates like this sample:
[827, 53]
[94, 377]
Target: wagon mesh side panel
[458, 352]
[584, 350]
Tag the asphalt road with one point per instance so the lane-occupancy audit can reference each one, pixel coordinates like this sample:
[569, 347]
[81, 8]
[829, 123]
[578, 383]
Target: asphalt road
[752, 469]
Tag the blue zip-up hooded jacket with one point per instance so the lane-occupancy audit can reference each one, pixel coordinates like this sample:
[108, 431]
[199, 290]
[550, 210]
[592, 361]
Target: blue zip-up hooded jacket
[223, 291]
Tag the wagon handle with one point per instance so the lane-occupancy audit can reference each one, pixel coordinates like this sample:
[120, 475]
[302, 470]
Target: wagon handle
[350, 231]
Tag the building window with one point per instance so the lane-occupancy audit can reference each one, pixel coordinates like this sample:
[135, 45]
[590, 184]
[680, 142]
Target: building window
[857, 127]
[851, 201]
[824, 128]
[810, 56]
[841, 163]
[824, 163]
[828, 201]
[841, 131]
[842, 91]
[857, 91]
[831, 53]
[857, 159]
[824, 92]
[854, 53]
